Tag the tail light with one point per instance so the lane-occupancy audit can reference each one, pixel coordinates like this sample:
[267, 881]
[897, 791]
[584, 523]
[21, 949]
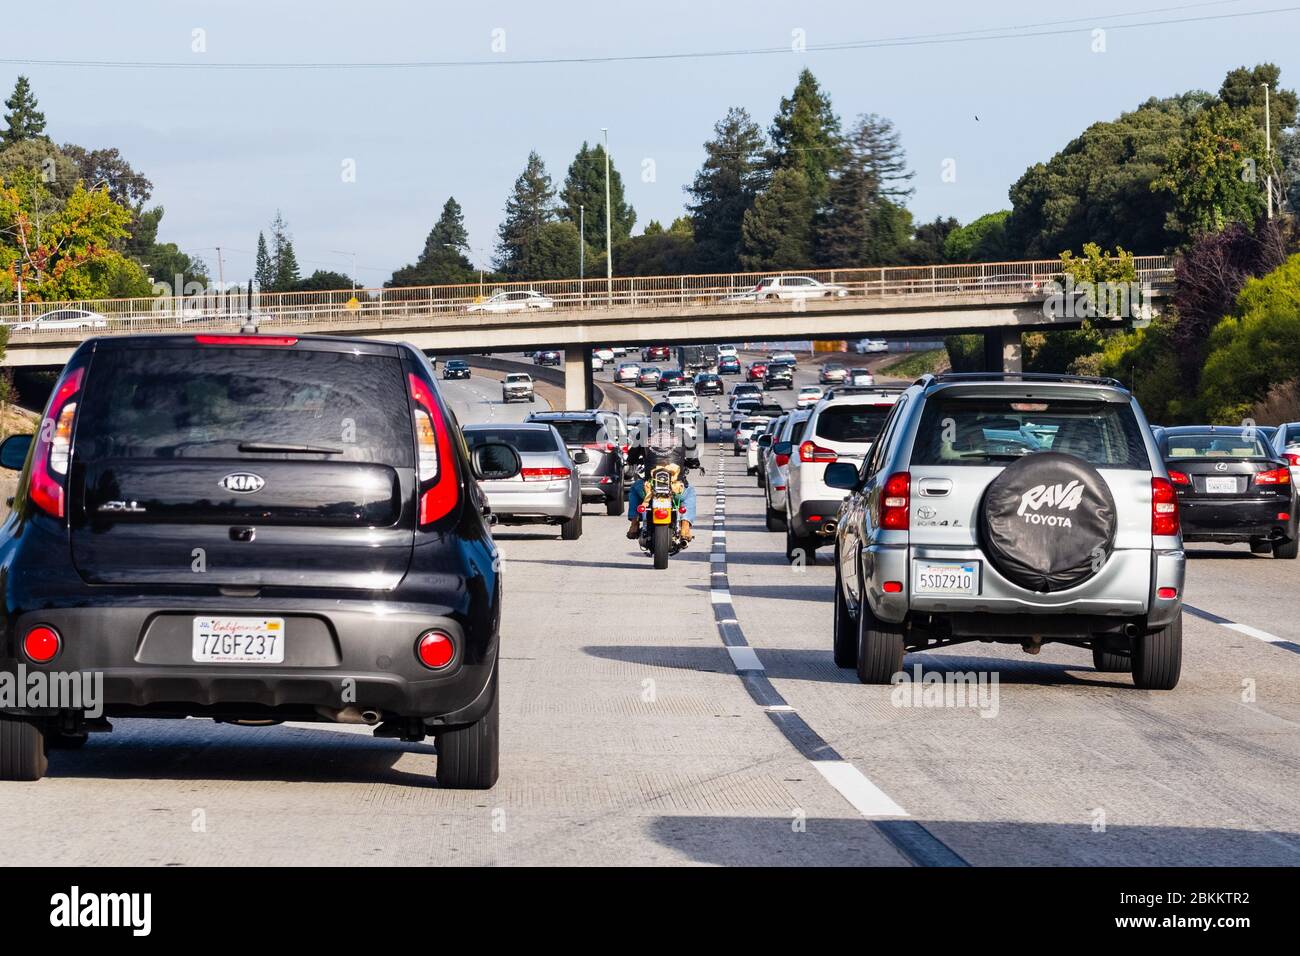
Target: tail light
[1180, 478]
[53, 451]
[894, 501]
[280, 340]
[435, 650]
[782, 460]
[544, 474]
[809, 451]
[41, 643]
[435, 469]
[1164, 508]
[1292, 460]
[1275, 476]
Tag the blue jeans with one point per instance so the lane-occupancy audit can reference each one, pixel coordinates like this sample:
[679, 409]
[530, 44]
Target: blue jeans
[636, 495]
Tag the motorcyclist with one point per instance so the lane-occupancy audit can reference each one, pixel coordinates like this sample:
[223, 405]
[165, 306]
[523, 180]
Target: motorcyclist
[663, 440]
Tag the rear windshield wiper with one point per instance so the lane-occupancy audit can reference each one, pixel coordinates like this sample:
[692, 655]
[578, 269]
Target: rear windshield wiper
[286, 447]
[993, 455]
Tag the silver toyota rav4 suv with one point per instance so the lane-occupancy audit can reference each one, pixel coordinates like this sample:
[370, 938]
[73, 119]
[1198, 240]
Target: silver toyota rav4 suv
[1020, 509]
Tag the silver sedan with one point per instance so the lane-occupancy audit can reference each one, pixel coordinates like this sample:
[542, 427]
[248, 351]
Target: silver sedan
[547, 489]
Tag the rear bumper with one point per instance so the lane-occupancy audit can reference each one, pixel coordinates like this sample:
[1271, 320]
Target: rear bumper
[599, 487]
[1236, 520]
[560, 503]
[825, 511]
[337, 654]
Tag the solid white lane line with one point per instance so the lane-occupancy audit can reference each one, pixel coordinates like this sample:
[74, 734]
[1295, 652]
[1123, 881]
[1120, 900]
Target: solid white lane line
[868, 799]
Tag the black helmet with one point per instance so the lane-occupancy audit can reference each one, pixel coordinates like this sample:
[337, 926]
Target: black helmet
[663, 408]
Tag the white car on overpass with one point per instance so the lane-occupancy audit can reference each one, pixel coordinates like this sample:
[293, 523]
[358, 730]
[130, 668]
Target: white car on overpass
[870, 346]
[518, 301]
[789, 287]
[62, 319]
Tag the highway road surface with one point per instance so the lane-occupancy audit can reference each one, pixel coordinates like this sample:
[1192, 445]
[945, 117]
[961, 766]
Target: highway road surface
[694, 716]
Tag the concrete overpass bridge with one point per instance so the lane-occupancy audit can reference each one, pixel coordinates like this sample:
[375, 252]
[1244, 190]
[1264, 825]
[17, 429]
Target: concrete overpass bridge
[999, 300]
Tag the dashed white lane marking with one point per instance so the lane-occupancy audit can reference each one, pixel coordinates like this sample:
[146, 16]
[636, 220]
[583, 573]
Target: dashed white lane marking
[745, 659]
[1255, 633]
[719, 597]
[868, 799]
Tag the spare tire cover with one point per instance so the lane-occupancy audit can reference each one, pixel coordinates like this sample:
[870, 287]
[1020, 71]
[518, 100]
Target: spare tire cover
[1048, 521]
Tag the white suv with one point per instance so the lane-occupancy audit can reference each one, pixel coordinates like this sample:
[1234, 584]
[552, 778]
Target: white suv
[840, 429]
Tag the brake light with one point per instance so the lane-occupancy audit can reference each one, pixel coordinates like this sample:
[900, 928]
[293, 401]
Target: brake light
[54, 447]
[1166, 594]
[894, 500]
[1275, 476]
[1164, 508]
[809, 451]
[280, 340]
[435, 650]
[782, 460]
[544, 474]
[1179, 478]
[439, 491]
[41, 643]
[1292, 460]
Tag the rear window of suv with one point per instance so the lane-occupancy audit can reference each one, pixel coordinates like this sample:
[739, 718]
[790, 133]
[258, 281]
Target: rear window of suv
[582, 431]
[852, 423]
[204, 402]
[984, 430]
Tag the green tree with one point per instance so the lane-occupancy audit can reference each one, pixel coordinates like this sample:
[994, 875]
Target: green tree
[926, 246]
[264, 268]
[732, 176]
[862, 221]
[1212, 174]
[166, 262]
[449, 232]
[777, 231]
[983, 240]
[443, 260]
[530, 207]
[659, 251]
[1243, 89]
[323, 280]
[23, 121]
[584, 186]
[806, 136]
[284, 261]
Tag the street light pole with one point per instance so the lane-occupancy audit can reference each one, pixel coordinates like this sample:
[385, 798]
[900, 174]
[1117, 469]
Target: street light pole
[1268, 150]
[609, 238]
[582, 241]
[340, 252]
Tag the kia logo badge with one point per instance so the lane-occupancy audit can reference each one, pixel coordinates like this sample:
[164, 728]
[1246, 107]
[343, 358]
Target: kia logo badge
[242, 482]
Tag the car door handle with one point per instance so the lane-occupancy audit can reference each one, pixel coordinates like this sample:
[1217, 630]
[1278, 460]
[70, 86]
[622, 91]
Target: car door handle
[934, 487]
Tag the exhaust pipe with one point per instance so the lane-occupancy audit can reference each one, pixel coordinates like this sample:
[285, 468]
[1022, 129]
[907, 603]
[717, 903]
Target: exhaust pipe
[828, 527]
[1132, 630]
[351, 715]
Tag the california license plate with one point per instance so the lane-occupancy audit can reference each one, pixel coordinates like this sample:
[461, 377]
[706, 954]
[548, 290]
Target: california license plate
[952, 578]
[1218, 485]
[239, 640]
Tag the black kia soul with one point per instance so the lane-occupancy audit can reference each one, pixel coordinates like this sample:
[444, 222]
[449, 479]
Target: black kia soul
[254, 528]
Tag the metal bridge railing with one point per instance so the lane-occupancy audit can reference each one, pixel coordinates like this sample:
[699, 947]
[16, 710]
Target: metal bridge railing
[347, 307]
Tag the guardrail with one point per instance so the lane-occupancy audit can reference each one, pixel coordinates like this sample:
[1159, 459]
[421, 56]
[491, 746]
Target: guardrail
[345, 306]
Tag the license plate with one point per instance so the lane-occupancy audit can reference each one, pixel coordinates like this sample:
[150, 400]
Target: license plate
[238, 640]
[946, 578]
[1215, 485]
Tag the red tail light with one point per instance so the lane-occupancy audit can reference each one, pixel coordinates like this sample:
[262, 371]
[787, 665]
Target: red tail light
[1292, 460]
[41, 644]
[436, 468]
[1276, 476]
[1179, 478]
[54, 447]
[894, 502]
[544, 474]
[281, 340]
[1164, 508]
[782, 460]
[435, 650]
[809, 451]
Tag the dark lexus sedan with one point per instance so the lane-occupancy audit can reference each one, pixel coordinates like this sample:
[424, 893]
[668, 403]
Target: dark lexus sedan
[1232, 487]
[253, 529]
[455, 368]
[707, 383]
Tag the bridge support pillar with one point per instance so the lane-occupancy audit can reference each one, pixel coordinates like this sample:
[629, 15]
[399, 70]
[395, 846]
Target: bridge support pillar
[579, 391]
[1002, 351]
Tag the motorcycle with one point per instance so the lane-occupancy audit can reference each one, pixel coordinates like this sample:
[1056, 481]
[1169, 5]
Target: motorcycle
[661, 513]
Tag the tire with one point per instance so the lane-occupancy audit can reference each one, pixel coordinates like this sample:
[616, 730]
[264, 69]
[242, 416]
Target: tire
[1158, 657]
[1260, 546]
[735, 452]
[571, 530]
[797, 544]
[844, 634]
[1109, 662]
[661, 539]
[22, 750]
[1287, 550]
[614, 504]
[880, 645]
[775, 519]
[469, 757]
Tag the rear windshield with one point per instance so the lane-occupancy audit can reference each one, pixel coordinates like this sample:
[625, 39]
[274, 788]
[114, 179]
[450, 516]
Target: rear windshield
[851, 423]
[522, 440]
[1209, 445]
[205, 402]
[580, 432]
[977, 431]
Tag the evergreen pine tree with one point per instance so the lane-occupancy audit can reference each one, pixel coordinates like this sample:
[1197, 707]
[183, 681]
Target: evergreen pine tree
[529, 208]
[264, 270]
[23, 121]
[806, 135]
[777, 231]
[584, 186]
[731, 178]
[284, 261]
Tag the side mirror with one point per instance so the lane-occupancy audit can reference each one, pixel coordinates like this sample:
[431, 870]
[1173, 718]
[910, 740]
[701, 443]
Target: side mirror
[13, 452]
[495, 461]
[841, 475]
[783, 448]
[580, 457]
[764, 441]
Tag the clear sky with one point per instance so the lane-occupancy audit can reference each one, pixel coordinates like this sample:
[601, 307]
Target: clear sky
[226, 148]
